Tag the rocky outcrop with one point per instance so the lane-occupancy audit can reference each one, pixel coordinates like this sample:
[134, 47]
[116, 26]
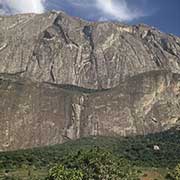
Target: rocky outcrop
[63, 78]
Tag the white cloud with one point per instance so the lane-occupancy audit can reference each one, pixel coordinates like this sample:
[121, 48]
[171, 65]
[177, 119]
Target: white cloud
[22, 6]
[118, 10]
[111, 9]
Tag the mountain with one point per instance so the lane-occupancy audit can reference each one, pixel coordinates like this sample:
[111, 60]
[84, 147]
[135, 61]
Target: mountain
[64, 78]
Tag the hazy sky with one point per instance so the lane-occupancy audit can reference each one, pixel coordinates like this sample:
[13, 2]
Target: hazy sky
[163, 14]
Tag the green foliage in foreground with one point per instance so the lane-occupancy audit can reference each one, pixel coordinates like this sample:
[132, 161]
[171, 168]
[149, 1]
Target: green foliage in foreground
[59, 172]
[94, 164]
[137, 150]
[175, 174]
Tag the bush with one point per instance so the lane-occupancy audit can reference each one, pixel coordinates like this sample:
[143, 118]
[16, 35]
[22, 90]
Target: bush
[59, 172]
[95, 164]
[175, 175]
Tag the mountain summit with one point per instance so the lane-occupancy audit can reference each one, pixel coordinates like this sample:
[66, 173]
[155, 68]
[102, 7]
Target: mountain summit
[64, 78]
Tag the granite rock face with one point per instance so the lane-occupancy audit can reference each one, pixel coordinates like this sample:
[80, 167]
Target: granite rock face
[64, 78]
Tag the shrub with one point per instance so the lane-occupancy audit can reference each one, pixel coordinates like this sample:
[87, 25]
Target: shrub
[95, 164]
[59, 172]
[175, 174]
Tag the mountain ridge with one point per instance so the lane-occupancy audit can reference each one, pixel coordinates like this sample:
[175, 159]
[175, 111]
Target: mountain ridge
[64, 78]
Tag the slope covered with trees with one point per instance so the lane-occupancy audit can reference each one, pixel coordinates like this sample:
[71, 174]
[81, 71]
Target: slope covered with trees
[138, 154]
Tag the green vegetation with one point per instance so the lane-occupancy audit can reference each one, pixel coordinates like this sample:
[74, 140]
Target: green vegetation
[92, 164]
[175, 174]
[59, 172]
[137, 152]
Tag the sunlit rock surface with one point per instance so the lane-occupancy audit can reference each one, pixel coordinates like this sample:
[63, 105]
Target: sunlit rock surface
[63, 78]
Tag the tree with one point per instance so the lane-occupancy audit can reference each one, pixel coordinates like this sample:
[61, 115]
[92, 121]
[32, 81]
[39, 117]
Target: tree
[94, 164]
[175, 175]
[59, 172]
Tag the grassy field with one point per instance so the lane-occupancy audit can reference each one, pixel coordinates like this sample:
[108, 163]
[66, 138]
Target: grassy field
[34, 163]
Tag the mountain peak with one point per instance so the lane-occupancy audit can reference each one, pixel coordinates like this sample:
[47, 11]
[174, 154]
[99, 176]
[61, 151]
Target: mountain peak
[64, 78]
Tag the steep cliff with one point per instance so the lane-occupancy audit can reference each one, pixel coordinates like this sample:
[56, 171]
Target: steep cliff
[63, 78]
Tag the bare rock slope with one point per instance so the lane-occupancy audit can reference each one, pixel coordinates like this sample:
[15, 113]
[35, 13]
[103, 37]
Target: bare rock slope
[63, 78]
